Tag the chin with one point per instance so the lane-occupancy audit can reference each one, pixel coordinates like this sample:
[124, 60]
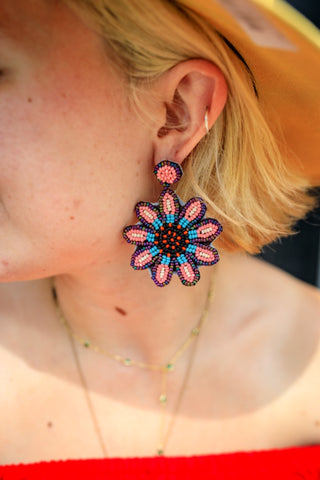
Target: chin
[11, 271]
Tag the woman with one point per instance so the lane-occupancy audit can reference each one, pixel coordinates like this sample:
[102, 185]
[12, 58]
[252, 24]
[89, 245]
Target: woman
[94, 96]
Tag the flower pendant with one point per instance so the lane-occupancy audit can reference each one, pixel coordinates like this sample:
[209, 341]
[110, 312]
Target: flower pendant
[172, 237]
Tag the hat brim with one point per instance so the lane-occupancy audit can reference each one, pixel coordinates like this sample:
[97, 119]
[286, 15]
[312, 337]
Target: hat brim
[281, 48]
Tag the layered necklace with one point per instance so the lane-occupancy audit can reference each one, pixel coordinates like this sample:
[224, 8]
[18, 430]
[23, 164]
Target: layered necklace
[163, 369]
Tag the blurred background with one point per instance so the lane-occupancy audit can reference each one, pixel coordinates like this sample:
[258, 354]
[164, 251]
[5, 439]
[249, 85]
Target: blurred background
[299, 254]
[309, 8]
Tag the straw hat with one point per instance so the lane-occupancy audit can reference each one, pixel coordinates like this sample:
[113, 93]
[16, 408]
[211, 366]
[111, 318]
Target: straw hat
[281, 47]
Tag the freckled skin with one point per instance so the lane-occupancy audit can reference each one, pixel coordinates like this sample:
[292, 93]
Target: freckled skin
[64, 152]
[74, 151]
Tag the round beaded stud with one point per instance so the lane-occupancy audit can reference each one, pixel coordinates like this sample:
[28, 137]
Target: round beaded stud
[172, 237]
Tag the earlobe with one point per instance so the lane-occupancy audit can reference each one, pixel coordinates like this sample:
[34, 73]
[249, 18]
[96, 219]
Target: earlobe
[195, 94]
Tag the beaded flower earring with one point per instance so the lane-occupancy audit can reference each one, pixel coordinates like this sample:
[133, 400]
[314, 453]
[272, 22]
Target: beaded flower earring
[172, 237]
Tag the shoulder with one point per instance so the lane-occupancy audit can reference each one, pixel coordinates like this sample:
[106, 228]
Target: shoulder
[293, 309]
[288, 307]
[273, 323]
[295, 304]
[277, 292]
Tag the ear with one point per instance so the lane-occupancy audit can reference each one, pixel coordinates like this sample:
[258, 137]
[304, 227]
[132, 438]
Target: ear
[187, 92]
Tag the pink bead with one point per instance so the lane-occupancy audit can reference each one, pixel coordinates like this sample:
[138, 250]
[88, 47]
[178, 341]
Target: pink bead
[137, 235]
[193, 210]
[147, 214]
[206, 231]
[187, 272]
[162, 273]
[142, 259]
[169, 207]
[167, 174]
[205, 255]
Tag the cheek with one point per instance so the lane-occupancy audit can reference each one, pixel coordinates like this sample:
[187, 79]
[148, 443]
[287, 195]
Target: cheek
[70, 149]
[63, 177]
[70, 171]
[53, 125]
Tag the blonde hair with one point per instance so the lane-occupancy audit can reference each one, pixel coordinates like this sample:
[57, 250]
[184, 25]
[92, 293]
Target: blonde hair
[237, 168]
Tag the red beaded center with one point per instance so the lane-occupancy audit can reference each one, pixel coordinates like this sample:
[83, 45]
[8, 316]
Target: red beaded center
[172, 239]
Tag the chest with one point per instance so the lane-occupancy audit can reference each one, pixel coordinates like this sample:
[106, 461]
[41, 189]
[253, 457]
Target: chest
[49, 417]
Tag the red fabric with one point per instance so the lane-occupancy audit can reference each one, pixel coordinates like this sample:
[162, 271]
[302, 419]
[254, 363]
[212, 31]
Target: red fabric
[292, 463]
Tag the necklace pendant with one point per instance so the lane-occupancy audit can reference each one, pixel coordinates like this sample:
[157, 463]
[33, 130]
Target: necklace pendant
[195, 331]
[163, 398]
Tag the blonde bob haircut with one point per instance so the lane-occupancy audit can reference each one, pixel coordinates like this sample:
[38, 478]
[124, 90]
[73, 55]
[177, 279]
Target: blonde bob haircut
[237, 167]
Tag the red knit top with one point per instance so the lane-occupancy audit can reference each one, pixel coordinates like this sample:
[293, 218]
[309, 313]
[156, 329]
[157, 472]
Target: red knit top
[285, 464]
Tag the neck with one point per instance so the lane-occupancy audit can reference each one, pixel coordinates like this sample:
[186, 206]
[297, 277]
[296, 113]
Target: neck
[126, 314]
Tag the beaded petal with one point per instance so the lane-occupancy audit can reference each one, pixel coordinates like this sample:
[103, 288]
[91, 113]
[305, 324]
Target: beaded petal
[172, 237]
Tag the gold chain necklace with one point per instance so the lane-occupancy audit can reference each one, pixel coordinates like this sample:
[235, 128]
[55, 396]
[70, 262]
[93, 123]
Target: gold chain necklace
[164, 370]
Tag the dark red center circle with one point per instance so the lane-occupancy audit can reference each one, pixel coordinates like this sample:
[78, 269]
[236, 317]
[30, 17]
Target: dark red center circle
[172, 239]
